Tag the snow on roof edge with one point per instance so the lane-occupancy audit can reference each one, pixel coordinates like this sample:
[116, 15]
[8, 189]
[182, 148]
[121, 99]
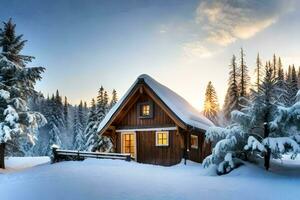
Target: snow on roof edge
[175, 102]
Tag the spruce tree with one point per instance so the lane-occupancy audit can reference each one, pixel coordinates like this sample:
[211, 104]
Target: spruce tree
[244, 80]
[114, 98]
[232, 96]
[274, 65]
[281, 84]
[211, 105]
[13, 44]
[78, 131]
[258, 70]
[66, 112]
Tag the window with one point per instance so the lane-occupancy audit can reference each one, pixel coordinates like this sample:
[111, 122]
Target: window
[145, 109]
[162, 138]
[128, 143]
[194, 141]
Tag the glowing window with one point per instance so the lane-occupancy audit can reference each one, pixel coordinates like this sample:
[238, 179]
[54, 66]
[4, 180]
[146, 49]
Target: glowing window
[146, 110]
[162, 138]
[194, 141]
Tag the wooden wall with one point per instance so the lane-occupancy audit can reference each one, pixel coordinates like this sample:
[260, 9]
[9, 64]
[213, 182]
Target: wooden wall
[132, 120]
[204, 148]
[148, 152]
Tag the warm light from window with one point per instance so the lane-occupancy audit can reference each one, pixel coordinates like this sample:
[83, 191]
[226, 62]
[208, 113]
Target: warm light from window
[162, 138]
[146, 110]
[194, 141]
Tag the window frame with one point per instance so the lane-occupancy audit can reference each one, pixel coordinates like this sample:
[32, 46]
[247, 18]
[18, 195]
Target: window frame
[139, 107]
[197, 139]
[156, 139]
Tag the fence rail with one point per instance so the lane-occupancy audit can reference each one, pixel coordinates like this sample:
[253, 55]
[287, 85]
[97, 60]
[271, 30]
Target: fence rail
[64, 155]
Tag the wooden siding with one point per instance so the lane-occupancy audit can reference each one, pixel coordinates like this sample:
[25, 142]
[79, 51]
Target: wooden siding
[148, 152]
[132, 119]
[204, 148]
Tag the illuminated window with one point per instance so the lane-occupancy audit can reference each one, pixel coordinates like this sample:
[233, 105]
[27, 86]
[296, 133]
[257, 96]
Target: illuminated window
[128, 143]
[162, 138]
[145, 109]
[194, 141]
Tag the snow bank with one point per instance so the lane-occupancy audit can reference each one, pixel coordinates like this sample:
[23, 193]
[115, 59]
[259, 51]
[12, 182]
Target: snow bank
[116, 180]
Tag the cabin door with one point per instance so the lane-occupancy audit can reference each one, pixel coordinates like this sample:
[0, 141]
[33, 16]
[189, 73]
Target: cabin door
[129, 143]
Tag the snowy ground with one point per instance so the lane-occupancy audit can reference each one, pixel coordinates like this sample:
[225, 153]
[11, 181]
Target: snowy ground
[111, 179]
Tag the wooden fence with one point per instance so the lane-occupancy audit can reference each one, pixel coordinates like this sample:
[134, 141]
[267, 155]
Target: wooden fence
[64, 155]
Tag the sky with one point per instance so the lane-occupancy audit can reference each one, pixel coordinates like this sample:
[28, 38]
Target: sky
[182, 44]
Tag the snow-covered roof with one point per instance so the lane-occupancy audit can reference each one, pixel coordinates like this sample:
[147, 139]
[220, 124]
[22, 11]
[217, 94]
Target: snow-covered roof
[181, 108]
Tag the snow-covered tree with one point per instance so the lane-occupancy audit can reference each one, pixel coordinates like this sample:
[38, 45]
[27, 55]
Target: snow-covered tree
[244, 80]
[232, 96]
[211, 105]
[13, 44]
[264, 127]
[114, 99]
[17, 121]
[66, 112]
[78, 131]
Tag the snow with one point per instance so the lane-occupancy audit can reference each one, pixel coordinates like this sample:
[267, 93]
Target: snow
[14, 164]
[187, 113]
[4, 94]
[114, 179]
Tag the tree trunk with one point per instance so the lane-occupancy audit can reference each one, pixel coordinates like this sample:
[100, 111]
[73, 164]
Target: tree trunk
[2, 151]
[267, 154]
[267, 158]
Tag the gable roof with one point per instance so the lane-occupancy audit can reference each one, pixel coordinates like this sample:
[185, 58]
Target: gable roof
[178, 105]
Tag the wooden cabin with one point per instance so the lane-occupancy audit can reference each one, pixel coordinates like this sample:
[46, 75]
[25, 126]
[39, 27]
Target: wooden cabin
[156, 125]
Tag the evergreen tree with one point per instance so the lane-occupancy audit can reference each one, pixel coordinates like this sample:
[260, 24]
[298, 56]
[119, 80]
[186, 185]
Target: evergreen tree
[292, 85]
[244, 78]
[282, 88]
[274, 64]
[211, 105]
[13, 44]
[78, 131]
[18, 125]
[258, 71]
[114, 98]
[232, 96]
[66, 112]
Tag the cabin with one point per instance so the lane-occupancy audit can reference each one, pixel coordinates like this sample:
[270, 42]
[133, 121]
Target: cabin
[156, 125]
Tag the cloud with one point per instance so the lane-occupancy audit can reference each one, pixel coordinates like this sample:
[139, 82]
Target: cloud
[196, 50]
[226, 21]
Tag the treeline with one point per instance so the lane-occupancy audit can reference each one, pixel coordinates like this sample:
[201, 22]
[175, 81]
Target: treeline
[240, 86]
[70, 126]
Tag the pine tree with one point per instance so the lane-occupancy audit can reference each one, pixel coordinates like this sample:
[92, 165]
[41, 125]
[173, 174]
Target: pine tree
[274, 64]
[258, 71]
[281, 84]
[114, 98]
[13, 44]
[78, 131]
[232, 96]
[18, 125]
[92, 125]
[244, 78]
[211, 105]
[66, 112]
